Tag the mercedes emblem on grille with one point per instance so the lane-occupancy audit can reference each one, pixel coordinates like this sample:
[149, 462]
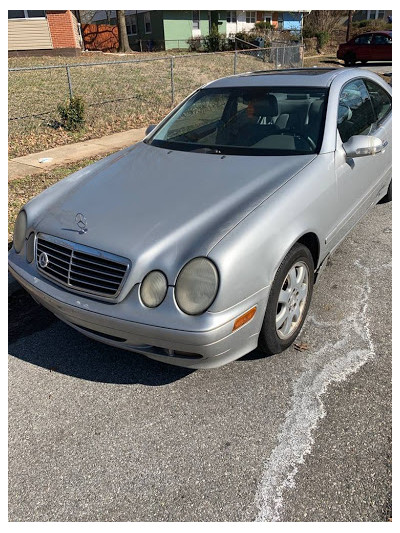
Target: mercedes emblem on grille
[81, 222]
[43, 260]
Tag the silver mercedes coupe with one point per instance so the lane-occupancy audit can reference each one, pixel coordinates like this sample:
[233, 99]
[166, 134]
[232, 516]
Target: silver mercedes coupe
[203, 241]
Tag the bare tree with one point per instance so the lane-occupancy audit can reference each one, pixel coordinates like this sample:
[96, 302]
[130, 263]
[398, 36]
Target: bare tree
[322, 20]
[122, 33]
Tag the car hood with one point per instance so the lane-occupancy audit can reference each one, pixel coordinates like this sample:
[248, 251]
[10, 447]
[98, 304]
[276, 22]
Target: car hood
[160, 207]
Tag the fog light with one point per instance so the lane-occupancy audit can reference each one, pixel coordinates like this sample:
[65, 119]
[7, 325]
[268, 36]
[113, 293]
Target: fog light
[243, 319]
[153, 289]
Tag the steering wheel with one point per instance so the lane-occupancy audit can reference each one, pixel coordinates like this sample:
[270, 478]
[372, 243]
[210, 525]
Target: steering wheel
[287, 131]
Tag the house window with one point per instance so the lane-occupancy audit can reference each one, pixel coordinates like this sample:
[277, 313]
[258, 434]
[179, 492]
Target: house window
[251, 17]
[147, 23]
[280, 22]
[231, 16]
[26, 14]
[196, 20]
[375, 15]
[131, 24]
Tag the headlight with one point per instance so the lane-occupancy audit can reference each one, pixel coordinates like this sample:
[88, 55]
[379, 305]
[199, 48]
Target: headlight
[153, 289]
[20, 231]
[196, 286]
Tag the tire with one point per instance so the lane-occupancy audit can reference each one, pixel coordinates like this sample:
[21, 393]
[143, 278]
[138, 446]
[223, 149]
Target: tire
[349, 59]
[364, 62]
[388, 196]
[294, 277]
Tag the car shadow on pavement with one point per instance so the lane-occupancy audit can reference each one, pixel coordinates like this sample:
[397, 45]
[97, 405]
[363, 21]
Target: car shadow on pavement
[38, 337]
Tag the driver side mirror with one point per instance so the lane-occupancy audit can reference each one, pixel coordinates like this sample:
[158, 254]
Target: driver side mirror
[150, 128]
[360, 145]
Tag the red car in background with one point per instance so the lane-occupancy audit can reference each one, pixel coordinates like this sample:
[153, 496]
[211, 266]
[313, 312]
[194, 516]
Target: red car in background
[372, 46]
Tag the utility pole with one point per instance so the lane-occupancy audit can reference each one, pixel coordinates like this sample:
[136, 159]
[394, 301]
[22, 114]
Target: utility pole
[349, 22]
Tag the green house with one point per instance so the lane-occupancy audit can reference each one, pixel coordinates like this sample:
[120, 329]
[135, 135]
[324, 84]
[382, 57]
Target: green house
[170, 29]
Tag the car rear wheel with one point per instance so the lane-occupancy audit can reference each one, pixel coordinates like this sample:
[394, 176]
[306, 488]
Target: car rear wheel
[350, 59]
[288, 301]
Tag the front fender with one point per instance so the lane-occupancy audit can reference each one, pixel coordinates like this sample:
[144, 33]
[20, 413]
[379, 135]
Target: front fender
[250, 254]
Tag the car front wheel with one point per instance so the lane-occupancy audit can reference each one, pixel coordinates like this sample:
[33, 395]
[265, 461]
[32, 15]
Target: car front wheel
[288, 301]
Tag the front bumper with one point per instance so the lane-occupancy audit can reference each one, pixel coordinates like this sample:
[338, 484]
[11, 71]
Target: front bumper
[201, 347]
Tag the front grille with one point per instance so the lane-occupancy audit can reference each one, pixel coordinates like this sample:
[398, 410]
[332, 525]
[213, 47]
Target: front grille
[81, 268]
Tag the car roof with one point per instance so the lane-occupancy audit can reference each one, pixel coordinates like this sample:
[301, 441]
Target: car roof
[296, 77]
[387, 32]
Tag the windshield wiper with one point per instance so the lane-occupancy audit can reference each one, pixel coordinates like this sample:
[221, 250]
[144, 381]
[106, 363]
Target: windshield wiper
[206, 150]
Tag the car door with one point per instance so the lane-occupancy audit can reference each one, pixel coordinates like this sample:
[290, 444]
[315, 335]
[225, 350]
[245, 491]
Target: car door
[382, 104]
[382, 47]
[363, 45]
[358, 179]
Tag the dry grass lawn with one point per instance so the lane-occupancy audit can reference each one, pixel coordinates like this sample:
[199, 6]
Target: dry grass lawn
[117, 96]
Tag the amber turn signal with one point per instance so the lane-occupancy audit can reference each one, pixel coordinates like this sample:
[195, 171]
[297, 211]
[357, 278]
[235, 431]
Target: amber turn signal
[243, 319]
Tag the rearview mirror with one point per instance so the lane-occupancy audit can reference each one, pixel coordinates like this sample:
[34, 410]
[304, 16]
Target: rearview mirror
[360, 145]
[150, 128]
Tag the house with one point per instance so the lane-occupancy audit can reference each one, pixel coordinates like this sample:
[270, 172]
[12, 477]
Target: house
[280, 20]
[33, 32]
[372, 15]
[164, 29]
[169, 29]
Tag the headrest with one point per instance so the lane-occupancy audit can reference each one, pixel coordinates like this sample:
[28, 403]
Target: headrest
[264, 106]
[315, 108]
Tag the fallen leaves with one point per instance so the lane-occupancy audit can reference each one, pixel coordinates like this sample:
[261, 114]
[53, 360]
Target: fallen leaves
[300, 346]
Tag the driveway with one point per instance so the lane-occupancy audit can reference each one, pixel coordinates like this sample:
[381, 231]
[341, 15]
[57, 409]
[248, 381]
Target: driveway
[99, 434]
[378, 67]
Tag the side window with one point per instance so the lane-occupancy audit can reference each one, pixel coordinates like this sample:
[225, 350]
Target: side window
[355, 113]
[382, 39]
[381, 100]
[364, 39]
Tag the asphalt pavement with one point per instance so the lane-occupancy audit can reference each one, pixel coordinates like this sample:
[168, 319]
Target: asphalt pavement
[100, 434]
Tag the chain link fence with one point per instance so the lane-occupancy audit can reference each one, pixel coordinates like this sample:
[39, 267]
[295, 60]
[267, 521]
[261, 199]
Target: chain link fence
[119, 95]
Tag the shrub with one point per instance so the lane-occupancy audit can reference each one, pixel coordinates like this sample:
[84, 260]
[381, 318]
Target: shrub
[248, 37]
[195, 44]
[323, 38]
[215, 42]
[372, 24]
[263, 26]
[72, 113]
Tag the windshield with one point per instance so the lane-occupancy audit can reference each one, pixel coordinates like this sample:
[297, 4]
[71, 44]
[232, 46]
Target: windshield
[247, 121]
